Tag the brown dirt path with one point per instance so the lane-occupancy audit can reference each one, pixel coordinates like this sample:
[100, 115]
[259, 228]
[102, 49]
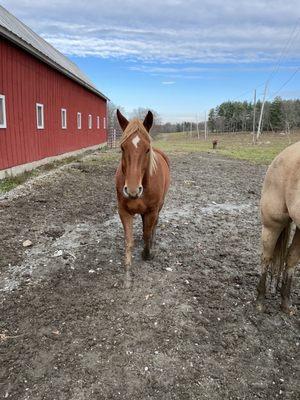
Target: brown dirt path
[187, 328]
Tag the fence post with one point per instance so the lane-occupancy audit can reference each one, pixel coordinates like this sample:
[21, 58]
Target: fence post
[114, 138]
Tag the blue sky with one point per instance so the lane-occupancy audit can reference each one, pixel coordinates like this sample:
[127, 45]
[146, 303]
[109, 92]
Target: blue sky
[178, 57]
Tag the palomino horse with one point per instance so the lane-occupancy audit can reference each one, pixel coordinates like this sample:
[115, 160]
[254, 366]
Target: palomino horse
[280, 206]
[142, 181]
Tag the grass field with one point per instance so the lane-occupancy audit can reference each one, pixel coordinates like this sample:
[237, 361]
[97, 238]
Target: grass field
[10, 183]
[232, 145]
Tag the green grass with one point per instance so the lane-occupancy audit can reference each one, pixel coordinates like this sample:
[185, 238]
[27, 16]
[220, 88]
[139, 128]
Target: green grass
[10, 183]
[110, 155]
[231, 145]
[58, 163]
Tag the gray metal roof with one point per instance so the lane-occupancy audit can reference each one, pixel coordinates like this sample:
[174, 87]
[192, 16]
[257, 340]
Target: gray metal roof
[17, 32]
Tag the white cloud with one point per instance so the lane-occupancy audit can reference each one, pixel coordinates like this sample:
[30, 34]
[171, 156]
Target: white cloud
[210, 31]
[170, 69]
[168, 82]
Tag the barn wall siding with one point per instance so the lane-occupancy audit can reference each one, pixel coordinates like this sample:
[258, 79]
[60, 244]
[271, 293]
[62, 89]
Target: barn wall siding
[25, 81]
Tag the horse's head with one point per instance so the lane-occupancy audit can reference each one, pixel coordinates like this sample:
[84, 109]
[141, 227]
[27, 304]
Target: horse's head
[137, 154]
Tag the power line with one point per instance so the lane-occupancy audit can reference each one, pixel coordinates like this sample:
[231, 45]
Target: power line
[283, 55]
[248, 91]
[285, 83]
[287, 47]
[285, 50]
[293, 35]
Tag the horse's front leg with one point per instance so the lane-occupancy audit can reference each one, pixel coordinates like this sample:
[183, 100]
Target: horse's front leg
[149, 226]
[127, 221]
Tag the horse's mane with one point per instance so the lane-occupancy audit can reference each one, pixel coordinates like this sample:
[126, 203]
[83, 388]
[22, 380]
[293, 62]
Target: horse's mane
[136, 126]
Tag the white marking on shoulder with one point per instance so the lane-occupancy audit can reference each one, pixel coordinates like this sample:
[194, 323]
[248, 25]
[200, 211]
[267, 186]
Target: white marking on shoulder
[136, 140]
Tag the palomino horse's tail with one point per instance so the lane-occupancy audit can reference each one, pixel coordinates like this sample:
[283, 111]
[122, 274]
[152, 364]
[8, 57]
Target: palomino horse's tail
[279, 256]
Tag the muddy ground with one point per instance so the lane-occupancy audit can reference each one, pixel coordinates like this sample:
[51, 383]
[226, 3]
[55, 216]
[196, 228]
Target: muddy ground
[187, 329]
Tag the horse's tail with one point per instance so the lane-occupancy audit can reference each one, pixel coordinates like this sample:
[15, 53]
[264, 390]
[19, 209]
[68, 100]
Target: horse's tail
[280, 254]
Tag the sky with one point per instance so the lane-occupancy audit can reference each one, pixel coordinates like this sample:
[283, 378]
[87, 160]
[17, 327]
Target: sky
[178, 57]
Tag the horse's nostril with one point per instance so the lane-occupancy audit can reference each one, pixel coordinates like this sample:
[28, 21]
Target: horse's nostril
[125, 191]
[132, 193]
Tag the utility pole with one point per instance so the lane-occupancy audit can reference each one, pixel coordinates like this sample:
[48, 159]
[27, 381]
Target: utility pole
[254, 112]
[197, 124]
[261, 112]
[205, 126]
[184, 129]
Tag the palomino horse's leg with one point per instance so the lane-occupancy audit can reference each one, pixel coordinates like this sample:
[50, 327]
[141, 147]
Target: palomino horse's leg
[269, 239]
[127, 221]
[149, 225]
[291, 261]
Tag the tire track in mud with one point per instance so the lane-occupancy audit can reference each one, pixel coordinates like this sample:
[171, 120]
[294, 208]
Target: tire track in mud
[186, 328]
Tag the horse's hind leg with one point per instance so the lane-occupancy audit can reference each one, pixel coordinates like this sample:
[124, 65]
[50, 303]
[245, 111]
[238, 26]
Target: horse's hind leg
[269, 238]
[293, 257]
[149, 225]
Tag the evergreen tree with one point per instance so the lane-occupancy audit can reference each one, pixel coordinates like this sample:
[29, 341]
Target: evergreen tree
[277, 119]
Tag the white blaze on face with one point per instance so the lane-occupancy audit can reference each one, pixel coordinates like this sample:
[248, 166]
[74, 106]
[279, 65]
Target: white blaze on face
[136, 140]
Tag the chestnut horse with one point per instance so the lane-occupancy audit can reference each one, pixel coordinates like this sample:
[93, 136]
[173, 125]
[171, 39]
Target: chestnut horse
[142, 181]
[280, 206]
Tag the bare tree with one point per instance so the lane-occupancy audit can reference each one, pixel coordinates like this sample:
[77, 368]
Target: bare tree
[112, 116]
[141, 112]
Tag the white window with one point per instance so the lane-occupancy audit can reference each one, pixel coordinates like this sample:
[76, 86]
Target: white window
[90, 121]
[40, 116]
[64, 118]
[78, 120]
[104, 123]
[2, 111]
[98, 122]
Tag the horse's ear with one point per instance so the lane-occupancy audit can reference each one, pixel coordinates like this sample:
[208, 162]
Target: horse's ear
[122, 120]
[148, 121]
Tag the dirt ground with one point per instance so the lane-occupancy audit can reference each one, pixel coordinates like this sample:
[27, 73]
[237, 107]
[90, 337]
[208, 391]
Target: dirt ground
[187, 329]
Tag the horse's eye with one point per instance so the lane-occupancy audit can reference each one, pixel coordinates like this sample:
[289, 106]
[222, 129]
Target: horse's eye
[147, 151]
[122, 148]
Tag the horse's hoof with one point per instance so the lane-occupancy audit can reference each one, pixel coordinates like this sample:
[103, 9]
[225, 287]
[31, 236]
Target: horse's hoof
[288, 309]
[260, 307]
[146, 255]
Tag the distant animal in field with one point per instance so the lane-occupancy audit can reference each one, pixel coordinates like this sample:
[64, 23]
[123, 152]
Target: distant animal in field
[280, 206]
[142, 181]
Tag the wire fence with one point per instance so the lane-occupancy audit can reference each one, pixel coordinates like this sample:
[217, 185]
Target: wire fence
[113, 138]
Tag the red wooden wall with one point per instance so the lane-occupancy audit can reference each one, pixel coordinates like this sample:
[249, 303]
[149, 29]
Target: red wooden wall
[25, 81]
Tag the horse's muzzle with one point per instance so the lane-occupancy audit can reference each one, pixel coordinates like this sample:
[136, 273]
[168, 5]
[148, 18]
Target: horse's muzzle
[133, 194]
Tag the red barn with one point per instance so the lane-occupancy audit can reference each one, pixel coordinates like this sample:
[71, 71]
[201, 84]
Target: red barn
[48, 107]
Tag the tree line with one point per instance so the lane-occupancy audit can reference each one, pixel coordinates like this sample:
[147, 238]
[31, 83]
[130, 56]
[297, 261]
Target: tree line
[158, 125]
[140, 113]
[236, 116]
[230, 116]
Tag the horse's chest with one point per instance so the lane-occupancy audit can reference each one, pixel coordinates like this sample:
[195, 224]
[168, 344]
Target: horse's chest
[136, 206]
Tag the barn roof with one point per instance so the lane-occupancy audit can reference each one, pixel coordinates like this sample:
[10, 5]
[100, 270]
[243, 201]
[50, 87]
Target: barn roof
[15, 31]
